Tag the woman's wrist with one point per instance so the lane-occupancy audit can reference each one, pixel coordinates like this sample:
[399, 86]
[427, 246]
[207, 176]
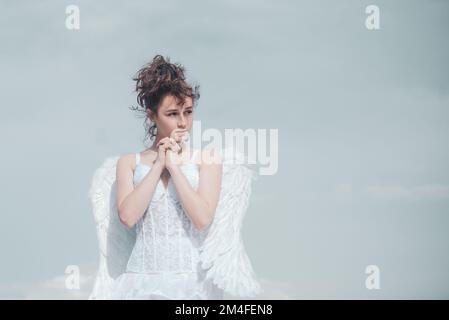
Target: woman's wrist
[172, 168]
[158, 166]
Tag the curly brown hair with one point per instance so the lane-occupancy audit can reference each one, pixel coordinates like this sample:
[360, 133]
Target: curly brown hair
[154, 82]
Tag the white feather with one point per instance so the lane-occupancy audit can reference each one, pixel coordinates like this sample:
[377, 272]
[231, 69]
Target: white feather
[115, 240]
[223, 254]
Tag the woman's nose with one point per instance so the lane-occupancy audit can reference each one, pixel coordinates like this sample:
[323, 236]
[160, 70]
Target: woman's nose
[182, 122]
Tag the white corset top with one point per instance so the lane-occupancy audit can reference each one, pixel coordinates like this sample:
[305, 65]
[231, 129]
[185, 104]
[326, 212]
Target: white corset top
[166, 239]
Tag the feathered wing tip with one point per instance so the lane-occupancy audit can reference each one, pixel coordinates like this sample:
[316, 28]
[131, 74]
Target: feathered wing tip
[114, 239]
[222, 254]
[102, 180]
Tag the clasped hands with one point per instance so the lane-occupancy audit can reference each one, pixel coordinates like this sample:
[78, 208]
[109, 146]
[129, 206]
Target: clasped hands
[169, 149]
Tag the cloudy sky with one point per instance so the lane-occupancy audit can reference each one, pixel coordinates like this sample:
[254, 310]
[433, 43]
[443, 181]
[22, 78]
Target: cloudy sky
[362, 117]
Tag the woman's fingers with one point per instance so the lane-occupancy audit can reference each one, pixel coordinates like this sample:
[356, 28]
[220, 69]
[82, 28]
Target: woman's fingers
[177, 134]
[175, 147]
[162, 141]
[169, 143]
[185, 137]
[164, 144]
[172, 145]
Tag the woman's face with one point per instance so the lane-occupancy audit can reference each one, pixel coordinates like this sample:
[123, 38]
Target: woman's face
[171, 116]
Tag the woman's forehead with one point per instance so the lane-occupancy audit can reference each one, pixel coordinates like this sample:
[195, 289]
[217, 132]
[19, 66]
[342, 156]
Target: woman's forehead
[170, 102]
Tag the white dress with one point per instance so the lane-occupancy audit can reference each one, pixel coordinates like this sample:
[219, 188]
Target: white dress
[164, 262]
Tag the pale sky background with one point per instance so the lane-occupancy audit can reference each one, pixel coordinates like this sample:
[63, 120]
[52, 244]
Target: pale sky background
[362, 116]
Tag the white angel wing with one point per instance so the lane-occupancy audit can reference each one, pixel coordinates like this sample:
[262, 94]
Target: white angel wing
[115, 240]
[222, 253]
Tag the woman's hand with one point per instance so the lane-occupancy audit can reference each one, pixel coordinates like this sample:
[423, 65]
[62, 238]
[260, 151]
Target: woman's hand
[180, 135]
[173, 153]
[162, 147]
[169, 149]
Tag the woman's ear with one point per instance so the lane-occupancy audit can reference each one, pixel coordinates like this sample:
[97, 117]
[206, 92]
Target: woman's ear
[151, 115]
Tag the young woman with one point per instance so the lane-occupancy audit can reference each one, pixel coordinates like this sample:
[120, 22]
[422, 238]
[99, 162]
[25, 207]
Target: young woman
[169, 192]
[169, 217]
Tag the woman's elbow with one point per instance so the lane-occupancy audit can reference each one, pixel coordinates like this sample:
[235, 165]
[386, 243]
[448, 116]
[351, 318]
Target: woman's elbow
[204, 224]
[124, 219]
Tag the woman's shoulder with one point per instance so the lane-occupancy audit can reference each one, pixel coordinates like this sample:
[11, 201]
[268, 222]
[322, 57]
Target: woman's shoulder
[127, 160]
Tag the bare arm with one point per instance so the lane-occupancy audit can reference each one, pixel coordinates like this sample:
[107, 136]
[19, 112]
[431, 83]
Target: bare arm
[199, 205]
[132, 202]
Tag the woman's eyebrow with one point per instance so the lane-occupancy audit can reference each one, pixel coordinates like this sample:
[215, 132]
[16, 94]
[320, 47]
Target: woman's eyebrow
[176, 109]
[187, 108]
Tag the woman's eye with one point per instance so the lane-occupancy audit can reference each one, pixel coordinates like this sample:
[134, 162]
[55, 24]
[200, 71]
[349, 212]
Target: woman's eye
[190, 111]
[172, 114]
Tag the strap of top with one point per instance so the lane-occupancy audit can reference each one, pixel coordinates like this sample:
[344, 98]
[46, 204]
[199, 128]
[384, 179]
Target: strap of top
[137, 158]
